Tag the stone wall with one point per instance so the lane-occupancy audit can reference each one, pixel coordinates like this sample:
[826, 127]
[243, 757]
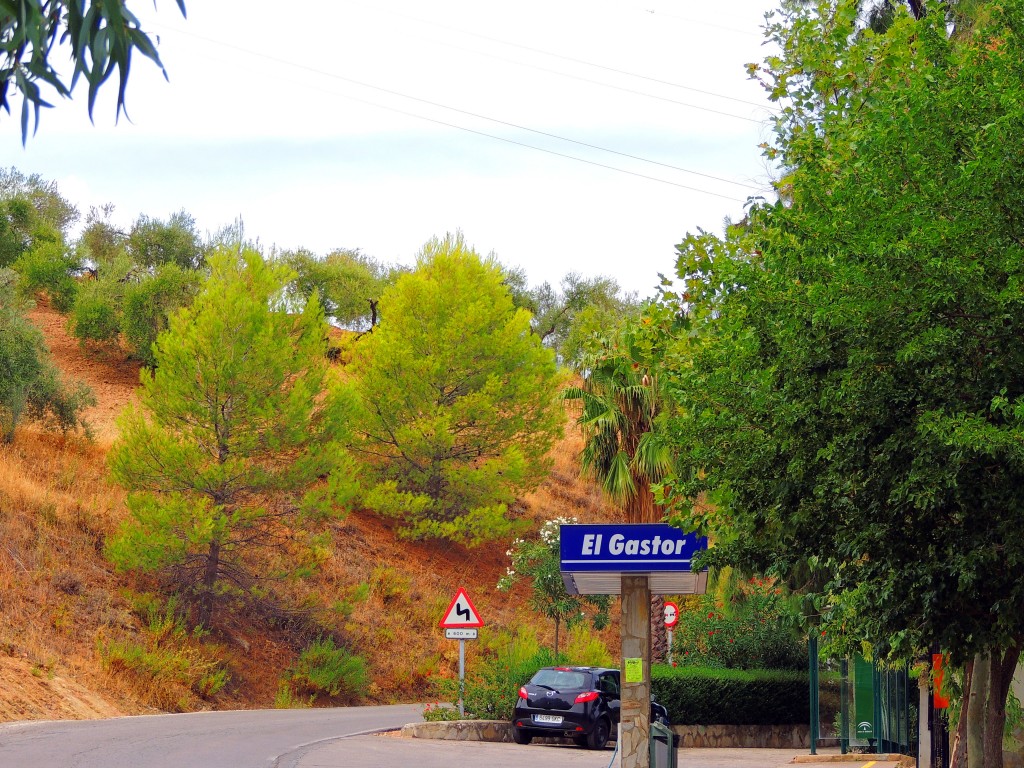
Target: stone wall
[471, 730]
[764, 736]
[461, 730]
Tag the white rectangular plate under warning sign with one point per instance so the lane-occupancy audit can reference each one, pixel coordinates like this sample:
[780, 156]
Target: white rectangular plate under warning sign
[460, 634]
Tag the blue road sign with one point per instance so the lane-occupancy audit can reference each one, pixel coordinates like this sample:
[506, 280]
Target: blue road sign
[643, 548]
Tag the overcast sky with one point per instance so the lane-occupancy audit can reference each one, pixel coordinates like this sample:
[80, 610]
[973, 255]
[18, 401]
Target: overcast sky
[376, 124]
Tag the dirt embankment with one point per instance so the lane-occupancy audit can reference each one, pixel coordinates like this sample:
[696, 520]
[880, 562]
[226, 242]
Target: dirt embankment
[60, 599]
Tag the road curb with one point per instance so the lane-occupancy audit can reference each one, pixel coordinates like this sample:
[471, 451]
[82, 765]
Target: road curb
[903, 760]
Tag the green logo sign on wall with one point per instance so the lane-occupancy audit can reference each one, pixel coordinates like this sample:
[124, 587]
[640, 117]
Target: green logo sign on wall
[864, 697]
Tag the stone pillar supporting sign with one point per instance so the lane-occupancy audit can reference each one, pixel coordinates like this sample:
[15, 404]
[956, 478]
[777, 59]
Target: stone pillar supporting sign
[636, 671]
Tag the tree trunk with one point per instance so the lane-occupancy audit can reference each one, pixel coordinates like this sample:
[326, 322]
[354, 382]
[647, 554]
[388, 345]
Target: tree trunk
[983, 718]
[978, 698]
[209, 582]
[1003, 665]
[958, 754]
[659, 636]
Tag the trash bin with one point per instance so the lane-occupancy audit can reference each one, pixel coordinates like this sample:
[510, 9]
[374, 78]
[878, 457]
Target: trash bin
[663, 746]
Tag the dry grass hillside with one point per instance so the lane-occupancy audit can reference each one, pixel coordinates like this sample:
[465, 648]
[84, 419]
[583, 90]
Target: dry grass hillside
[63, 605]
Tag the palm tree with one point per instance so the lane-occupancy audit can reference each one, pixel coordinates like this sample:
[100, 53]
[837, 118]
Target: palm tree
[620, 401]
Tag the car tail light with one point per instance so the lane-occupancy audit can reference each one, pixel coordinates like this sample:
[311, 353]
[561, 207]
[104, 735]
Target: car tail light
[588, 696]
[523, 694]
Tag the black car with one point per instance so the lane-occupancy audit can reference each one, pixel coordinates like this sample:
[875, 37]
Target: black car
[581, 703]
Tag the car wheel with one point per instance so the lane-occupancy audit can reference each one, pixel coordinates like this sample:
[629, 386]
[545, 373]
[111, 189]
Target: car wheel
[579, 741]
[598, 737]
[519, 737]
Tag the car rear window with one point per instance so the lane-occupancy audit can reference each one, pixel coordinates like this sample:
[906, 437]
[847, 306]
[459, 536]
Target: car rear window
[561, 679]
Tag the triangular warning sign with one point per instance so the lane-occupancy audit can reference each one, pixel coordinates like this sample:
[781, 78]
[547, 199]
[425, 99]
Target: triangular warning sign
[461, 612]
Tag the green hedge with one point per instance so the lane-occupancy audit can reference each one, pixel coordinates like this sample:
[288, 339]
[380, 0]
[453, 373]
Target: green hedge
[700, 696]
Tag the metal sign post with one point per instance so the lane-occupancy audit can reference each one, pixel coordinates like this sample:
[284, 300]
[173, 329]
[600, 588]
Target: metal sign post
[462, 679]
[460, 623]
[671, 619]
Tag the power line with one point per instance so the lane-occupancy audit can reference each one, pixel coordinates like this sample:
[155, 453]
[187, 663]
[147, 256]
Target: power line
[653, 12]
[389, 91]
[584, 62]
[543, 149]
[619, 87]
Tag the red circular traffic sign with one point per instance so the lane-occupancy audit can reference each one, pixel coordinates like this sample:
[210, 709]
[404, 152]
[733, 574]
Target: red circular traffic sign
[671, 615]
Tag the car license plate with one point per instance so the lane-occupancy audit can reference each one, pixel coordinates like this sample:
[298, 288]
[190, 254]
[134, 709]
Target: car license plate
[553, 719]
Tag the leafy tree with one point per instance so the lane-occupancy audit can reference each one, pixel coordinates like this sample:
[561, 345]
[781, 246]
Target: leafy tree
[139, 279]
[30, 385]
[102, 36]
[48, 267]
[457, 398]
[235, 445]
[539, 560]
[152, 243]
[149, 304]
[620, 401]
[95, 318]
[101, 243]
[568, 317]
[97, 312]
[16, 216]
[591, 302]
[847, 365]
[43, 196]
[348, 283]
[34, 219]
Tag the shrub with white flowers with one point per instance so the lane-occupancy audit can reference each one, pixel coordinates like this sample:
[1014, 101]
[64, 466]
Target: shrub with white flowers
[538, 560]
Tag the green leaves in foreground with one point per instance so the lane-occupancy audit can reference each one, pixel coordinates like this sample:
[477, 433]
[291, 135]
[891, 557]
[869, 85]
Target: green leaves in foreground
[850, 389]
[102, 34]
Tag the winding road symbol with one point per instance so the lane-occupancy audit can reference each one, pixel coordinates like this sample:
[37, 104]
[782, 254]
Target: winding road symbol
[461, 613]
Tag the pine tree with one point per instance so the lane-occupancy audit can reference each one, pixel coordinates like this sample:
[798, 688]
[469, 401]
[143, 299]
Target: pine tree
[235, 444]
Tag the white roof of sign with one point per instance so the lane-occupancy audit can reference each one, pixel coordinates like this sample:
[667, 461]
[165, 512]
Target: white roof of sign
[661, 582]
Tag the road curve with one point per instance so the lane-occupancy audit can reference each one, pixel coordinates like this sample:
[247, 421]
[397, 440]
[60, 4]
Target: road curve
[241, 739]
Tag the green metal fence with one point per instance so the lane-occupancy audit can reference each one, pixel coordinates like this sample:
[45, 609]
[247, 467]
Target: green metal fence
[877, 707]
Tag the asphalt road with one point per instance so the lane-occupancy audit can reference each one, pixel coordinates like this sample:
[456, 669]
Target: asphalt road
[382, 752]
[312, 738]
[250, 739]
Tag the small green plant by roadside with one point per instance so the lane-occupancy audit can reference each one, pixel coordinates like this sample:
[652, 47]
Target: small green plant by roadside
[587, 649]
[438, 712]
[168, 677]
[325, 669]
[168, 665]
[286, 698]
